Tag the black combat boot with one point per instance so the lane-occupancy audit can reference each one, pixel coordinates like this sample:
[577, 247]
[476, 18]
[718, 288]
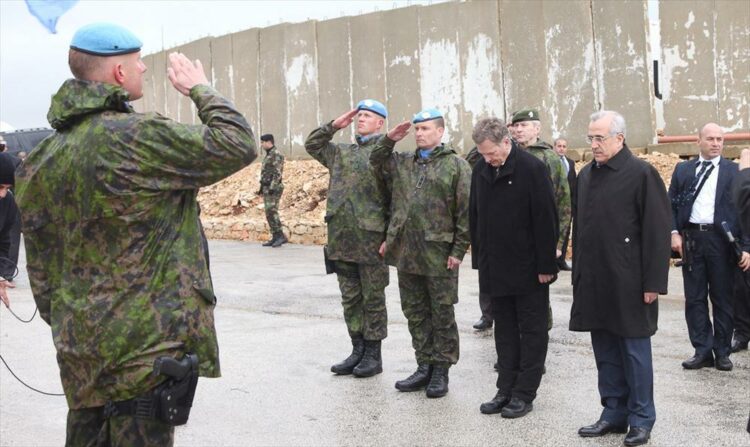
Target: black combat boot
[270, 242]
[416, 381]
[279, 240]
[346, 367]
[371, 362]
[438, 386]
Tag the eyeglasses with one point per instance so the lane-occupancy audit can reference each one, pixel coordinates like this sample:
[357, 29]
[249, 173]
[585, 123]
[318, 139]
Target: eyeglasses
[598, 138]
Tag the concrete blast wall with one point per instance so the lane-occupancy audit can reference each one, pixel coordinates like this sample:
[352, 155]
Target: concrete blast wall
[476, 59]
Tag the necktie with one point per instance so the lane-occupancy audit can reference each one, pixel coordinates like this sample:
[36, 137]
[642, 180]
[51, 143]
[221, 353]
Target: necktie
[704, 165]
[565, 163]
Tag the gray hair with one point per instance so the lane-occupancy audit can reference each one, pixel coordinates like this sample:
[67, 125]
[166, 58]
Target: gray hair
[618, 122]
[493, 129]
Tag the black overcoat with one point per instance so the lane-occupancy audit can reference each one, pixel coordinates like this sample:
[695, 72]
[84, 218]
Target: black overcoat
[622, 246]
[513, 222]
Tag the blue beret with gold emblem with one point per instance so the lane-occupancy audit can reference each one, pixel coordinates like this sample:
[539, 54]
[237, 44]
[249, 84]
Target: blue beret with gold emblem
[426, 115]
[373, 106]
[105, 39]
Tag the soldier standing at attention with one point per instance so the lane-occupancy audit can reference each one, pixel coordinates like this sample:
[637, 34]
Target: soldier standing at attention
[113, 239]
[428, 236]
[271, 188]
[357, 216]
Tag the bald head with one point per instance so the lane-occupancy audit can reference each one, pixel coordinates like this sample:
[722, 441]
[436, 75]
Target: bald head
[711, 141]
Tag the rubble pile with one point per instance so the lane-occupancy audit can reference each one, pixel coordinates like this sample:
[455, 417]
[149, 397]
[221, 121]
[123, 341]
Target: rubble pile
[232, 209]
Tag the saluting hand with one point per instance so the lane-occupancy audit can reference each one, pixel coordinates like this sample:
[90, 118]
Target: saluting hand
[184, 74]
[345, 119]
[400, 131]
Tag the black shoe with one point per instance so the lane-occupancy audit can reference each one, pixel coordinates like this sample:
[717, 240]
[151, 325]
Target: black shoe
[739, 345]
[483, 324]
[724, 364]
[637, 436]
[600, 428]
[516, 408]
[416, 381]
[280, 240]
[371, 362]
[269, 242]
[697, 362]
[495, 405]
[438, 386]
[347, 366]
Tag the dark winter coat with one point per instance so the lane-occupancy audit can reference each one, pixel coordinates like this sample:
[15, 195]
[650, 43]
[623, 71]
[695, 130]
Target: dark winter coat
[514, 224]
[622, 246]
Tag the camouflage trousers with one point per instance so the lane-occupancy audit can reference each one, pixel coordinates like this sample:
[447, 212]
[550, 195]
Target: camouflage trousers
[271, 204]
[87, 427]
[427, 302]
[363, 298]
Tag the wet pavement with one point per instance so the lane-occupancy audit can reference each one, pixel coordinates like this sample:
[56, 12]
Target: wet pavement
[280, 328]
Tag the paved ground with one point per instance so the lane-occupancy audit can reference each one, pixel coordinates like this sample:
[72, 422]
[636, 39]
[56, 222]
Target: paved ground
[280, 328]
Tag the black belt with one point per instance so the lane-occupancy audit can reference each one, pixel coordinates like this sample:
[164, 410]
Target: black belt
[141, 407]
[699, 227]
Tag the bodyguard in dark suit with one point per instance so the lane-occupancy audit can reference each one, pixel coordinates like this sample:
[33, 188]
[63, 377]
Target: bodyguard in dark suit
[620, 266]
[741, 288]
[742, 200]
[513, 222]
[701, 198]
[561, 147]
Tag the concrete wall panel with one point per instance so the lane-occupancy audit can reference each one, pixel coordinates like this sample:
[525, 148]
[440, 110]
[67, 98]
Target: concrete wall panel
[221, 65]
[402, 59]
[161, 83]
[274, 100]
[733, 63]
[334, 72]
[524, 57]
[440, 67]
[689, 78]
[621, 30]
[301, 76]
[245, 76]
[481, 68]
[368, 73]
[571, 72]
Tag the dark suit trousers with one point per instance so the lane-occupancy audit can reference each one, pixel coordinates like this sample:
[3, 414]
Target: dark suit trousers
[521, 342]
[741, 307]
[485, 304]
[626, 379]
[711, 276]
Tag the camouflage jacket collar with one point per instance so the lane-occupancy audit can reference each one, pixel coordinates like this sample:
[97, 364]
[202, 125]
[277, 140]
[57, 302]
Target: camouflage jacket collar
[540, 145]
[77, 98]
[270, 150]
[438, 152]
[367, 139]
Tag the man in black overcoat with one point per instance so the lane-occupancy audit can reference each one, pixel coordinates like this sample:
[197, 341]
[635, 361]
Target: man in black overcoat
[513, 222]
[620, 266]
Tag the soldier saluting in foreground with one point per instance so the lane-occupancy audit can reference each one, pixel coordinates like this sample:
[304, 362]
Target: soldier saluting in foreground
[114, 243]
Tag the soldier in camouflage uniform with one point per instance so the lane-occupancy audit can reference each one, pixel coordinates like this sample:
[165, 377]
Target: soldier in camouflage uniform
[357, 216]
[113, 240]
[271, 188]
[427, 238]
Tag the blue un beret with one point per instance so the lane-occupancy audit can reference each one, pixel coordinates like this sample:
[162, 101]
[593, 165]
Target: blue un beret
[105, 39]
[373, 106]
[426, 115]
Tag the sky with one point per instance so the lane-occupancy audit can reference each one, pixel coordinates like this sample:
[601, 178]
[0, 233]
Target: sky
[33, 62]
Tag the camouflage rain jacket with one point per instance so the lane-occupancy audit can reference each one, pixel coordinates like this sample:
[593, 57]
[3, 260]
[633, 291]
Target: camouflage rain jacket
[544, 152]
[271, 172]
[429, 208]
[357, 207]
[113, 239]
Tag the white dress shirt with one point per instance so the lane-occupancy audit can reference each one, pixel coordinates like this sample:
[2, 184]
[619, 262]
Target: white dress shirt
[703, 207]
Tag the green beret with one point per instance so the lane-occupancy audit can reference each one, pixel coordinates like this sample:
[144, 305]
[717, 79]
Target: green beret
[525, 115]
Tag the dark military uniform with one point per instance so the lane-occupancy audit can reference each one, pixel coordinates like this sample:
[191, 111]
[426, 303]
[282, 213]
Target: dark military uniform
[113, 245]
[429, 223]
[272, 186]
[357, 216]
